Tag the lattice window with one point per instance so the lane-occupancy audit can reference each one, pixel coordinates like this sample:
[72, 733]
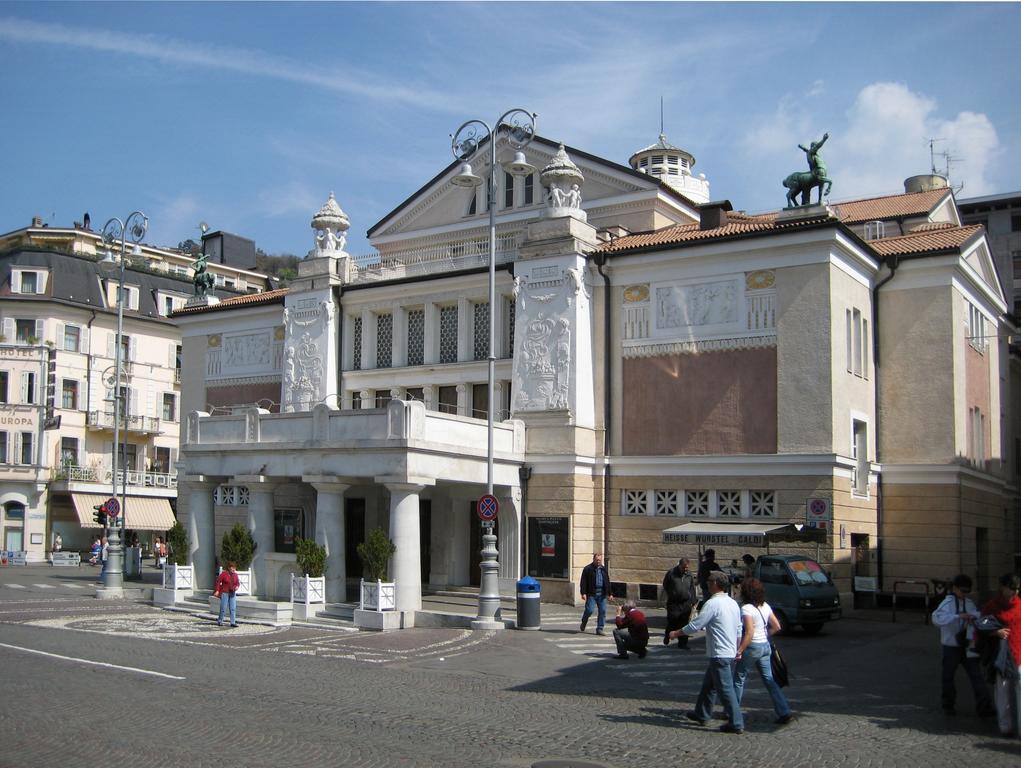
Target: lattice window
[763, 503]
[511, 307]
[448, 334]
[416, 337]
[667, 503]
[634, 502]
[384, 340]
[356, 344]
[216, 496]
[481, 341]
[730, 503]
[696, 503]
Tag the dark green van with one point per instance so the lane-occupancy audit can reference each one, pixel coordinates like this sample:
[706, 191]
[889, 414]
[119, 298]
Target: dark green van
[798, 590]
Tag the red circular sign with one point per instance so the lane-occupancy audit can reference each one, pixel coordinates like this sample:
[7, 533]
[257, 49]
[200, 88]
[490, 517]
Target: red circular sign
[112, 506]
[488, 507]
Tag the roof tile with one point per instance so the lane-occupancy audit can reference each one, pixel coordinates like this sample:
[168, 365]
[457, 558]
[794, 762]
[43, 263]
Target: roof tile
[248, 300]
[889, 206]
[925, 241]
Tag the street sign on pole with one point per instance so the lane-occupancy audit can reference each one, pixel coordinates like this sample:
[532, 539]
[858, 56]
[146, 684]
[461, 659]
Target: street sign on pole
[488, 507]
[113, 507]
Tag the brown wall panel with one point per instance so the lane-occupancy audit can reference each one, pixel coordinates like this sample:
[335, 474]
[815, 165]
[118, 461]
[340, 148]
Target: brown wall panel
[700, 404]
[238, 394]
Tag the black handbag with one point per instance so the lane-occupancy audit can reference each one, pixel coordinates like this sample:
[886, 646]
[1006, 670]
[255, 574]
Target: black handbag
[781, 674]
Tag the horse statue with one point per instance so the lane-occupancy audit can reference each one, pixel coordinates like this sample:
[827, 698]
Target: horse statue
[203, 280]
[802, 183]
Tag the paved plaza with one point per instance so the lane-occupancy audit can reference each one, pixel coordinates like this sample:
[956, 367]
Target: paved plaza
[123, 683]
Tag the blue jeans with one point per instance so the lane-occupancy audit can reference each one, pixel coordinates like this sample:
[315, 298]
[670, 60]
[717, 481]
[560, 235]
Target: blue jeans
[757, 655]
[719, 678]
[228, 599]
[593, 602]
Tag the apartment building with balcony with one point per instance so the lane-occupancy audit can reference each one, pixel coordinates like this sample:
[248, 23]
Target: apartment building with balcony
[58, 336]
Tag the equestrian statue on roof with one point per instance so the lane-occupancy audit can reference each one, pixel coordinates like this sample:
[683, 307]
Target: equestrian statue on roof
[800, 183]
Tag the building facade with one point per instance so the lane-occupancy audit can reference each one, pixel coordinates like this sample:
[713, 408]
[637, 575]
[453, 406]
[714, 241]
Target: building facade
[58, 336]
[657, 360]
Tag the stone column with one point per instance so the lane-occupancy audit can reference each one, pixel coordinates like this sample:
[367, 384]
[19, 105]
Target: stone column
[201, 530]
[510, 540]
[406, 568]
[330, 534]
[260, 523]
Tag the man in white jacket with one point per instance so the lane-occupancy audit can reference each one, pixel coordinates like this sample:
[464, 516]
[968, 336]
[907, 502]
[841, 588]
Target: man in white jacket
[955, 617]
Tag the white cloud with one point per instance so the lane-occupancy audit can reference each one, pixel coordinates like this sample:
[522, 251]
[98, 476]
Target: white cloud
[254, 63]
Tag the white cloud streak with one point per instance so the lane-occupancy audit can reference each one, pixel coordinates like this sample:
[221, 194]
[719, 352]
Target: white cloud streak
[253, 63]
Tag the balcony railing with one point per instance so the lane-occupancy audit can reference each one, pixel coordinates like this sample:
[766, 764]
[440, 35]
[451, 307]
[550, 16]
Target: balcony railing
[177, 375]
[105, 420]
[449, 257]
[75, 474]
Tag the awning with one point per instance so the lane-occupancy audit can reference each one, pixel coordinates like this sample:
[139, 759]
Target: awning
[144, 513]
[739, 534]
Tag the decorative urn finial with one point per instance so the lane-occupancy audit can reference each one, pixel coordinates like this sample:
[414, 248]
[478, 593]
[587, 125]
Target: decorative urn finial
[564, 180]
[331, 225]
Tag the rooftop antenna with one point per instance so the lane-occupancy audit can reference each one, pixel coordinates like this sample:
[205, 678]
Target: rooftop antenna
[949, 160]
[932, 155]
[661, 114]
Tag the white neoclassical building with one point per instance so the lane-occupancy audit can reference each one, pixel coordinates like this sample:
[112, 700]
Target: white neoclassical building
[659, 358]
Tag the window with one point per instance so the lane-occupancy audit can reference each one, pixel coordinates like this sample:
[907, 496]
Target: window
[69, 394]
[976, 328]
[382, 397]
[480, 341]
[3, 386]
[384, 340]
[26, 456]
[125, 348]
[480, 401]
[508, 190]
[162, 460]
[857, 342]
[72, 338]
[356, 400]
[288, 525]
[763, 503]
[169, 406]
[529, 189]
[69, 451]
[667, 503]
[3, 447]
[414, 393]
[416, 337]
[447, 400]
[25, 331]
[696, 503]
[1015, 223]
[859, 454]
[856, 320]
[28, 282]
[634, 503]
[130, 295]
[448, 334]
[729, 503]
[978, 435]
[28, 387]
[356, 344]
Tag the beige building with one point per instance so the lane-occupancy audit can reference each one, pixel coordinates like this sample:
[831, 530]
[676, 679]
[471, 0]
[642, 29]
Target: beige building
[657, 361]
[58, 330]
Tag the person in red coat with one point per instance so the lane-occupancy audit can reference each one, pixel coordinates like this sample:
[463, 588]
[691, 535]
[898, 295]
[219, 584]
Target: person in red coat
[632, 633]
[226, 588]
[1006, 607]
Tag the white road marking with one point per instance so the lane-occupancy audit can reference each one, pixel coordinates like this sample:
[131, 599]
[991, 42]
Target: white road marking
[69, 584]
[44, 586]
[15, 586]
[93, 663]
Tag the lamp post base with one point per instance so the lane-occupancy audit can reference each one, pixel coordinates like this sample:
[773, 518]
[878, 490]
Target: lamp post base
[109, 593]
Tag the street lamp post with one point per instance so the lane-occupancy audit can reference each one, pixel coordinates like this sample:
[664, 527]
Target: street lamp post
[520, 126]
[133, 229]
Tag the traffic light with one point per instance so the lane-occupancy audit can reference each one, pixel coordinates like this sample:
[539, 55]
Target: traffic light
[100, 515]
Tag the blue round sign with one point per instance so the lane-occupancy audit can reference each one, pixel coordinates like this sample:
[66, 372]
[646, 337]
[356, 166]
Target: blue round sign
[488, 507]
[113, 507]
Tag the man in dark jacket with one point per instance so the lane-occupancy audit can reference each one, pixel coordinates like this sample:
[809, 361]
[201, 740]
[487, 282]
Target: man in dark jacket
[595, 588]
[679, 587]
[632, 632]
[707, 566]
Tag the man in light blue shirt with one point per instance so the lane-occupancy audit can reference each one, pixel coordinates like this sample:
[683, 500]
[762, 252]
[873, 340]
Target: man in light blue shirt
[720, 617]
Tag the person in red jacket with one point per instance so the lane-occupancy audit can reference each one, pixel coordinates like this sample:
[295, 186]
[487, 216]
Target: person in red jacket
[632, 633]
[226, 588]
[1006, 607]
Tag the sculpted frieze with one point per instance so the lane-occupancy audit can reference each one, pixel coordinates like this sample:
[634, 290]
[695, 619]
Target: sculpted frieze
[692, 306]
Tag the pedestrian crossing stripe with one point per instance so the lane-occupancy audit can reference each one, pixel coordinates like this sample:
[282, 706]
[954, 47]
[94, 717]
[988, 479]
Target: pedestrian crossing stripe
[44, 586]
[16, 586]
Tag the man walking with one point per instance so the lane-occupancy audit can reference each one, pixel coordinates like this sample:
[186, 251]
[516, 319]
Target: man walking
[707, 566]
[679, 587]
[720, 617]
[955, 618]
[595, 588]
[632, 632]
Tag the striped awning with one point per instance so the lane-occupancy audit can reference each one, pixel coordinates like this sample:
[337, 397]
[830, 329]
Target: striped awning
[143, 513]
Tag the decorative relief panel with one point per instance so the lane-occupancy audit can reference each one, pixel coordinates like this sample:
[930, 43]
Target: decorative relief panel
[713, 304]
[307, 323]
[246, 351]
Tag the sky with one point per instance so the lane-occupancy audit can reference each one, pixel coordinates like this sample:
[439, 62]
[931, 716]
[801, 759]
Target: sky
[247, 115]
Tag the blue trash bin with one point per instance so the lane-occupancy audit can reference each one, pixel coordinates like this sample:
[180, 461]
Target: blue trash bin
[528, 603]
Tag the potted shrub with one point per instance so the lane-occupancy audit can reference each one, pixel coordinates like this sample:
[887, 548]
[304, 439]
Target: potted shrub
[375, 553]
[308, 590]
[238, 546]
[178, 575]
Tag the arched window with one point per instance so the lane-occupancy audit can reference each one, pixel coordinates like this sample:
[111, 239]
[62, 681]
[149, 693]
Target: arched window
[14, 510]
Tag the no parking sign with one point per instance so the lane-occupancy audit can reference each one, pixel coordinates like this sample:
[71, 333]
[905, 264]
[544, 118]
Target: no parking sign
[818, 513]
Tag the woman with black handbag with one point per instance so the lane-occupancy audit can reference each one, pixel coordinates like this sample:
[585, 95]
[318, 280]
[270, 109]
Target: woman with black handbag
[759, 622]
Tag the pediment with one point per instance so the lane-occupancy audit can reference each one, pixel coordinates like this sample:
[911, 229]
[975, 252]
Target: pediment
[440, 204]
[979, 259]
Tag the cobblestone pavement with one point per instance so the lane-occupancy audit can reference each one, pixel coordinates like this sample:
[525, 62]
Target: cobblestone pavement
[865, 693]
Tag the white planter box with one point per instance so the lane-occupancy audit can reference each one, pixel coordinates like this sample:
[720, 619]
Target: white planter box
[308, 595]
[378, 596]
[179, 577]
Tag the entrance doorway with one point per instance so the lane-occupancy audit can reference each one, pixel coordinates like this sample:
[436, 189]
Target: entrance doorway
[425, 525]
[354, 534]
[475, 545]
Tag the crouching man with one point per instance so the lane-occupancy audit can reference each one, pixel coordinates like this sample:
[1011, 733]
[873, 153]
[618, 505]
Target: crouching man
[632, 633]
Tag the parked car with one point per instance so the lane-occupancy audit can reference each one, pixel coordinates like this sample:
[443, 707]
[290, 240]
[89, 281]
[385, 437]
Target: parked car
[799, 590]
